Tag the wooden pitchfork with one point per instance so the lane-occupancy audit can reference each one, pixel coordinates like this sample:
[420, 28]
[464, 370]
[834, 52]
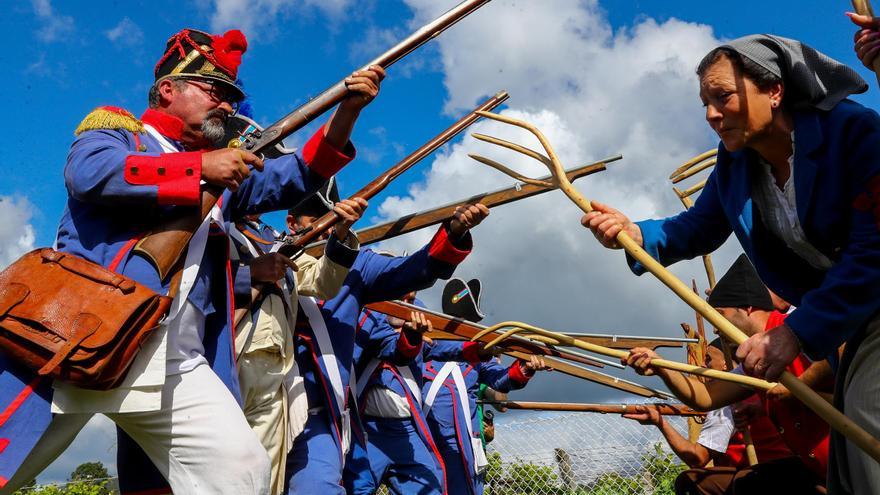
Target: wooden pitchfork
[692, 167]
[804, 393]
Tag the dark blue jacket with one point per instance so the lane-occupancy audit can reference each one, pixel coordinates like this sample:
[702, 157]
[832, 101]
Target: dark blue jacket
[837, 185]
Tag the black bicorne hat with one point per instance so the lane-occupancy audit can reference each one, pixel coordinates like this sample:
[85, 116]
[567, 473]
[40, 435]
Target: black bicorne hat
[196, 54]
[462, 299]
[741, 287]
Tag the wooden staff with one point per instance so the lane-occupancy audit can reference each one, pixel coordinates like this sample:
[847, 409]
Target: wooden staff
[799, 389]
[662, 408]
[457, 327]
[415, 221]
[863, 7]
[464, 328]
[562, 339]
[612, 341]
[684, 196]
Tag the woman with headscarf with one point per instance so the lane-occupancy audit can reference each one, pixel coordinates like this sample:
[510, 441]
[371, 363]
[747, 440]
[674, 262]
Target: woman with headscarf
[797, 180]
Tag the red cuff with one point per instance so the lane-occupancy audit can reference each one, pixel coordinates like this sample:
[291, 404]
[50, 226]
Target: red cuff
[323, 158]
[178, 176]
[470, 351]
[405, 345]
[516, 373]
[441, 248]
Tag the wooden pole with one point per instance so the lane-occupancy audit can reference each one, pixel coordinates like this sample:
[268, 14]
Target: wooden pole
[863, 7]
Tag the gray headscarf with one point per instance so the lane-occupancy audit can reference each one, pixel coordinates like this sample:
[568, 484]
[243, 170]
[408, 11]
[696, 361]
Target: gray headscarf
[812, 79]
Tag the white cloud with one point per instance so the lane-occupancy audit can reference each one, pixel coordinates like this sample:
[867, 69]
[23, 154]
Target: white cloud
[54, 26]
[16, 233]
[594, 92]
[126, 33]
[251, 16]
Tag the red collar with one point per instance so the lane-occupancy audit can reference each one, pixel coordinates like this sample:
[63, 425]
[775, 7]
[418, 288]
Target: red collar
[167, 125]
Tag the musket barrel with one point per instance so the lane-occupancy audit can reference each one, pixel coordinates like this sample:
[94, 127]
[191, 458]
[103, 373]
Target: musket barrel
[312, 109]
[330, 218]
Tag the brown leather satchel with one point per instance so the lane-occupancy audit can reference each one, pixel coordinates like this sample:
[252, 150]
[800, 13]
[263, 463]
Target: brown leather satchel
[74, 320]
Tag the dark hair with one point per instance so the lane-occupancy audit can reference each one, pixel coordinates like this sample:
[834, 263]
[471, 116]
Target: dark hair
[763, 78]
[153, 97]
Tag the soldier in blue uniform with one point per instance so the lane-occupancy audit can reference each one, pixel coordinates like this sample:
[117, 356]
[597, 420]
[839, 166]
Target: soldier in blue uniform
[125, 176]
[450, 405]
[400, 451]
[325, 346]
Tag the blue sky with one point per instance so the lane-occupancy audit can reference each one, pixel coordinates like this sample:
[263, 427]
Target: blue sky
[600, 77]
[70, 57]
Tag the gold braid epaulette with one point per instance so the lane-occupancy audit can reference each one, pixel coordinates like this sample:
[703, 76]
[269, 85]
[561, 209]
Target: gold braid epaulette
[110, 118]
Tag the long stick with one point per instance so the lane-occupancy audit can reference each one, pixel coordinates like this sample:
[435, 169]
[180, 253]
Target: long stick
[664, 409]
[519, 327]
[799, 389]
[596, 377]
[863, 7]
[612, 341]
[434, 216]
[464, 328]
[164, 246]
[329, 219]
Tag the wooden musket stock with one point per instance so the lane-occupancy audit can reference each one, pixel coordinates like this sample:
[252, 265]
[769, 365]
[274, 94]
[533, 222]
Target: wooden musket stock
[464, 328]
[434, 216]
[664, 409]
[330, 219]
[164, 246]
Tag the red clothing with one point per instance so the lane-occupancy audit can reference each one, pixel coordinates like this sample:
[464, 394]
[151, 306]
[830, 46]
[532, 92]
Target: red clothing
[769, 445]
[801, 429]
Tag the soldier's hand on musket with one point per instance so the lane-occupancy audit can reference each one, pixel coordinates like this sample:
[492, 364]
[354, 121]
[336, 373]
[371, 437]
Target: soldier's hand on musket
[363, 87]
[867, 39]
[606, 223]
[646, 415]
[270, 268]
[535, 363]
[228, 167]
[349, 211]
[639, 359]
[418, 323]
[466, 217]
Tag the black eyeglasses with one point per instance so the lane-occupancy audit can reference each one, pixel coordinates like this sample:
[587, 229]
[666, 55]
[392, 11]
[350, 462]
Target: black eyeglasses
[217, 91]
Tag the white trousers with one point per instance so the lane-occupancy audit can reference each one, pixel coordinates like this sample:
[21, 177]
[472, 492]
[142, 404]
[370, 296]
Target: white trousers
[199, 439]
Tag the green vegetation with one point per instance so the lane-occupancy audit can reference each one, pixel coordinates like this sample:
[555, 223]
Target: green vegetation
[89, 478]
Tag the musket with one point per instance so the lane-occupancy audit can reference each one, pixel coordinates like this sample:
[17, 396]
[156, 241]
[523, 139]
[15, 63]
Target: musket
[607, 380]
[606, 340]
[164, 246]
[467, 329]
[293, 246]
[434, 216]
[663, 409]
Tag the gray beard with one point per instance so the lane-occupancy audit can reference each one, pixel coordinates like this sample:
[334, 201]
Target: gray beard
[214, 128]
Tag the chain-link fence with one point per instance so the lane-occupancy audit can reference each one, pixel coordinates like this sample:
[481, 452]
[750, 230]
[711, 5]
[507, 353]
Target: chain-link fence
[550, 453]
[579, 454]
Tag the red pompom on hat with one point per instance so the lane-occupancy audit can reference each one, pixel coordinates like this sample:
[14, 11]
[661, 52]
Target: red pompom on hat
[192, 53]
[228, 50]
